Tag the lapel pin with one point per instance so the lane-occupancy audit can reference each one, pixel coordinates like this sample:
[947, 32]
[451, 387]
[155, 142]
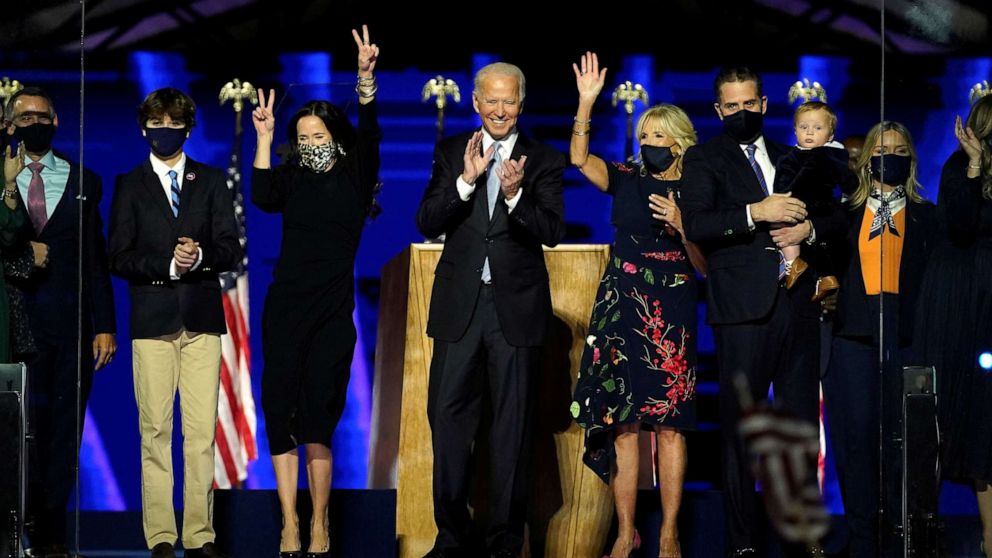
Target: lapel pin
[191, 176]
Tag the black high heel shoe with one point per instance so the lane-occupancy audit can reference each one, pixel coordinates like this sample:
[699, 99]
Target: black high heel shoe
[298, 553]
[326, 553]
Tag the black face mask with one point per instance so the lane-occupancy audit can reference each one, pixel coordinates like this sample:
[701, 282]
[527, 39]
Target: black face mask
[744, 125]
[165, 141]
[37, 137]
[657, 159]
[896, 168]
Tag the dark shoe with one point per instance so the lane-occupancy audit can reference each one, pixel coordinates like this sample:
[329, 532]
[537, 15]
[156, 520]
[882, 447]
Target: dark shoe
[744, 553]
[505, 554]
[795, 270]
[208, 550]
[825, 286]
[163, 550]
[324, 554]
[291, 554]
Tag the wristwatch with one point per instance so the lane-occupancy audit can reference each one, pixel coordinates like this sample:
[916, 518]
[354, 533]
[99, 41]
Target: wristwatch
[8, 194]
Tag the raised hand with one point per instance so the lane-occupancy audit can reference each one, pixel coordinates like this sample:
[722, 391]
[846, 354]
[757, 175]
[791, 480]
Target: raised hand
[13, 163]
[368, 52]
[262, 117]
[969, 142]
[476, 161]
[589, 79]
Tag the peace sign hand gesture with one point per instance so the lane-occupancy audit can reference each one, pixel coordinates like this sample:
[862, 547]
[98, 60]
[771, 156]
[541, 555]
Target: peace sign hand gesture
[368, 52]
[262, 117]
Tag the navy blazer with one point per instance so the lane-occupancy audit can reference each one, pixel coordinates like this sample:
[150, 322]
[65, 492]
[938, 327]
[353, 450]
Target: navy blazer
[742, 281]
[143, 236]
[51, 293]
[512, 241]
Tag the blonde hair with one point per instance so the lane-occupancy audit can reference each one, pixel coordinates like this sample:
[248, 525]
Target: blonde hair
[810, 106]
[863, 166]
[501, 69]
[673, 121]
[980, 122]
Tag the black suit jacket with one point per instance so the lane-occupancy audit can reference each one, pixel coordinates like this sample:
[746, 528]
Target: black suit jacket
[143, 235]
[51, 293]
[742, 281]
[855, 317]
[512, 241]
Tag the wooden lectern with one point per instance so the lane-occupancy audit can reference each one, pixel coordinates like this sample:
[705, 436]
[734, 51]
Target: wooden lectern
[570, 507]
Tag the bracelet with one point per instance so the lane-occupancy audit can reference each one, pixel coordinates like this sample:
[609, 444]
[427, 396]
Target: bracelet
[575, 133]
[365, 91]
[8, 194]
[577, 121]
[366, 87]
[976, 167]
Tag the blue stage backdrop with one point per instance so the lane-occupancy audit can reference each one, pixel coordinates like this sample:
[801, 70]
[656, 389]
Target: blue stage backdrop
[110, 469]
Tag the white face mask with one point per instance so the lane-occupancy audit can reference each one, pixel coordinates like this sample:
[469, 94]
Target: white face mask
[319, 158]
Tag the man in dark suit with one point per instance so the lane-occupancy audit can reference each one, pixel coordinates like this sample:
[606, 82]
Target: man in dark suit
[763, 331]
[172, 230]
[497, 196]
[52, 191]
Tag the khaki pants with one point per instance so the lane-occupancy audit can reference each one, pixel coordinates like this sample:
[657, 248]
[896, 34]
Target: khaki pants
[190, 362]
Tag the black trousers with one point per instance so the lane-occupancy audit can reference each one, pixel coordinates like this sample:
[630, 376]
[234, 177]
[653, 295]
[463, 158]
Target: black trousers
[858, 401]
[54, 420]
[780, 350]
[481, 364]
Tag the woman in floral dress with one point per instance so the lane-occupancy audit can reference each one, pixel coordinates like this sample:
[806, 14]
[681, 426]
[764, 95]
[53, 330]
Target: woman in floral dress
[639, 366]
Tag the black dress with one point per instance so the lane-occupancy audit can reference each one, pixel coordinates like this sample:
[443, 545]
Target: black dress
[639, 363]
[955, 323]
[308, 337]
[812, 175]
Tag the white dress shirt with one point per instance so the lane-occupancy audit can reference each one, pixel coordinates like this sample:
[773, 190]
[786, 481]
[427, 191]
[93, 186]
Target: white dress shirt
[161, 170]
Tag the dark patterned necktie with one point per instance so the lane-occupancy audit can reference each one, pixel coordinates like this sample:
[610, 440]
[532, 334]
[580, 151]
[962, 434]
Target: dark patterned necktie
[175, 192]
[756, 168]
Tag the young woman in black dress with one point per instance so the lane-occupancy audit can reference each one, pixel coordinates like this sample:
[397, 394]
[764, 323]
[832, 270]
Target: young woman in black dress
[324, 191]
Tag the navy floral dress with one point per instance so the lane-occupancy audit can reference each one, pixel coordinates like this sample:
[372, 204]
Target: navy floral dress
[639, 363]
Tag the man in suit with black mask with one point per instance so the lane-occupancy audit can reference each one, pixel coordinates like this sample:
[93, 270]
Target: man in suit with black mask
[52, 192]
[763, 331]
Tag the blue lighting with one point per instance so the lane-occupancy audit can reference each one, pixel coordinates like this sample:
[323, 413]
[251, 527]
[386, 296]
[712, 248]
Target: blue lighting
[985, 360]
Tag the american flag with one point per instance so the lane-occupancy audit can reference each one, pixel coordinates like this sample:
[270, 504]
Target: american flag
[235, 437]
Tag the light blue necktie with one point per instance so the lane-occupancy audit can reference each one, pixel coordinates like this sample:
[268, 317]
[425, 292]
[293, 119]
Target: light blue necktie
[492, 191]
[175, 193]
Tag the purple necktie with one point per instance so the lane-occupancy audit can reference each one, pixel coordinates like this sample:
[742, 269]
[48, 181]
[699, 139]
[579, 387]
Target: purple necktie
[36, 198]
